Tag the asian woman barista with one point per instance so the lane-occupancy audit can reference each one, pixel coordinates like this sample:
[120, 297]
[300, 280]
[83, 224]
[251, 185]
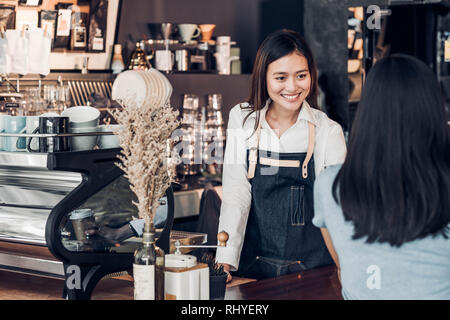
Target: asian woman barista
[277, 144]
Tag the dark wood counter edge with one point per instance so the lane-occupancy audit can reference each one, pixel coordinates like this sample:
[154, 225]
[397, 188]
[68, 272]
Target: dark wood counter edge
[35, 251]
[317, 284]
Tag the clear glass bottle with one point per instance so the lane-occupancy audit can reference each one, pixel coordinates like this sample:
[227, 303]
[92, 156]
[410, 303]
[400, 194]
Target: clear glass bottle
[148, 268]
[117, 64]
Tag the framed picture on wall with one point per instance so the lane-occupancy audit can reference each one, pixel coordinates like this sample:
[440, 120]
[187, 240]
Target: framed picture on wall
[47, 22]
[26, 19]
[73, 60]
[7, 17]
[31, 3]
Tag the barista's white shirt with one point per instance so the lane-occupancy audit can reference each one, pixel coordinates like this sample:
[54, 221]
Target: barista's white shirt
[329, 149]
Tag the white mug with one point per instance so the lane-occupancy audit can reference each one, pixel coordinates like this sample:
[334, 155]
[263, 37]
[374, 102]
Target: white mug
[82, 116]
[108, 141]
[32, 124]
[83, 143]
[3, 122]
[15, 124]
[164, 60]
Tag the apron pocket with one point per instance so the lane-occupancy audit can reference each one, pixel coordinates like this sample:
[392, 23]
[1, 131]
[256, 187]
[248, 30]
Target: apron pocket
[297, 206]
[271, 267]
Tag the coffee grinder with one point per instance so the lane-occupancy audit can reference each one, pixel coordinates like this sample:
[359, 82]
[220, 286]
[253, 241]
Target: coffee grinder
[185, 278]
[202, 57]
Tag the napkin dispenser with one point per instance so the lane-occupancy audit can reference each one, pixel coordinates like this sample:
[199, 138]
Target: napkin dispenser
[185, 278]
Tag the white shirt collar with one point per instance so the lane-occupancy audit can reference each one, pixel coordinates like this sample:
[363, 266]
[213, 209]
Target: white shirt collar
[307, 114]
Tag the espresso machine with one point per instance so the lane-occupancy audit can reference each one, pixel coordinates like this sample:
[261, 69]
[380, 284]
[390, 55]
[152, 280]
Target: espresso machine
[46, 197]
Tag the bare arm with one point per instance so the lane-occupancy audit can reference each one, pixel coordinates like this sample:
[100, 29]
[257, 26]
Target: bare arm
[330, 247]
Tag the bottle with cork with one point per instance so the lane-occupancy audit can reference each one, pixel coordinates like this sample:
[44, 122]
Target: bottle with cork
[117, 64]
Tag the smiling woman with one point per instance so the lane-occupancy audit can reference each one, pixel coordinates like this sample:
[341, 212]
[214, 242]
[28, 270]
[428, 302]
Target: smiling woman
[276, 144]
[280, 54]
[288, 85]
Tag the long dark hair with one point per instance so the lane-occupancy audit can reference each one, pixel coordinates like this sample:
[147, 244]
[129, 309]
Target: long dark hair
[277, 45]
[395, 183]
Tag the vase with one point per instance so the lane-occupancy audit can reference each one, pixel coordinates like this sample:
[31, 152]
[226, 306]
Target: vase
[148, 267]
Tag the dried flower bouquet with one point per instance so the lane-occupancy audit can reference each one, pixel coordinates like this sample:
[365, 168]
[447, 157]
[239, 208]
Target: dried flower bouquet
[143, 134]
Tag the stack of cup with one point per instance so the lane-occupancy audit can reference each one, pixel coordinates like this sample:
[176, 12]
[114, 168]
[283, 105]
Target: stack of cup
[82, 119]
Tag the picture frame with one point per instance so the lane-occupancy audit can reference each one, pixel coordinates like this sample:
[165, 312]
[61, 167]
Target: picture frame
[30, 3]
[73, 60]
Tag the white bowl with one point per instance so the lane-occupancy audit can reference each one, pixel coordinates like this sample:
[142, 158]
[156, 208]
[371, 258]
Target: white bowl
[82, 116]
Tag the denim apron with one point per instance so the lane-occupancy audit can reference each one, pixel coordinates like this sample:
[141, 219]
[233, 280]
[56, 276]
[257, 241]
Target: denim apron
[280, 237]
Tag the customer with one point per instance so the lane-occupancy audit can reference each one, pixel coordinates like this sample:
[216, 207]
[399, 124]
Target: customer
[267, 204]
[387, 208]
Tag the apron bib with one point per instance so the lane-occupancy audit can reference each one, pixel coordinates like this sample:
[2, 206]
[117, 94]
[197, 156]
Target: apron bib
[280, 237]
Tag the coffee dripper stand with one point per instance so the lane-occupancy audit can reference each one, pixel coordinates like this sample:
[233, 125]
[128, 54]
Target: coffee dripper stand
[222, 238]
[166, 29]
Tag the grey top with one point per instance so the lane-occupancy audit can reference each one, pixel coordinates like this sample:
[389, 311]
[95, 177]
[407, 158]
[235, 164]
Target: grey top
[418, 269]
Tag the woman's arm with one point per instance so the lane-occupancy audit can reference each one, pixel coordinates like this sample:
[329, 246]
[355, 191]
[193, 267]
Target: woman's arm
[330, 247]
[236, 192]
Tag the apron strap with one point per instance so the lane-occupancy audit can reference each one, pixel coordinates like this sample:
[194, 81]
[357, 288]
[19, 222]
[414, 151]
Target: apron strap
[309, 153]
[253, 154]
[279, 163]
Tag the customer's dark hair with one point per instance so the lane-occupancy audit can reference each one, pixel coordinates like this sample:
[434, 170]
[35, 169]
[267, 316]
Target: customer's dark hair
[277, 45]
[395, 183]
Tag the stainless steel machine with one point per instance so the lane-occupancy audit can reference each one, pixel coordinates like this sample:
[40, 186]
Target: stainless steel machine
[39, 193]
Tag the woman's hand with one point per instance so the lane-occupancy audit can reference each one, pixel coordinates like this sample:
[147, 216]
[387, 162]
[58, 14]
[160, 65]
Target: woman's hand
[226, 268]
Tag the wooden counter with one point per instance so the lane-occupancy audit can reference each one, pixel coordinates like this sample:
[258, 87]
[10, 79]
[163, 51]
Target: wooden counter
[314, 284]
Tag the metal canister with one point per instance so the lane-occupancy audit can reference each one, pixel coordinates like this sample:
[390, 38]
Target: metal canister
[182, 59]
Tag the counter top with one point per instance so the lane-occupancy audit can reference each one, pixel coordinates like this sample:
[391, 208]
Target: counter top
[316, 284]
[320, 284]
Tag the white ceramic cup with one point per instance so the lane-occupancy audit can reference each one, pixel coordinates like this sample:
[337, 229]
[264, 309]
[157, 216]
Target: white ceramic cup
[85, 142]
[50, 114]
[164, 60]
[108, 141]
[3, 121]
[188, 31]
[32, 124]
[82, 116]
[15, 124]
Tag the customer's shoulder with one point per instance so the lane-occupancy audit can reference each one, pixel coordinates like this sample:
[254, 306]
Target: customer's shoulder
[327, 176]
